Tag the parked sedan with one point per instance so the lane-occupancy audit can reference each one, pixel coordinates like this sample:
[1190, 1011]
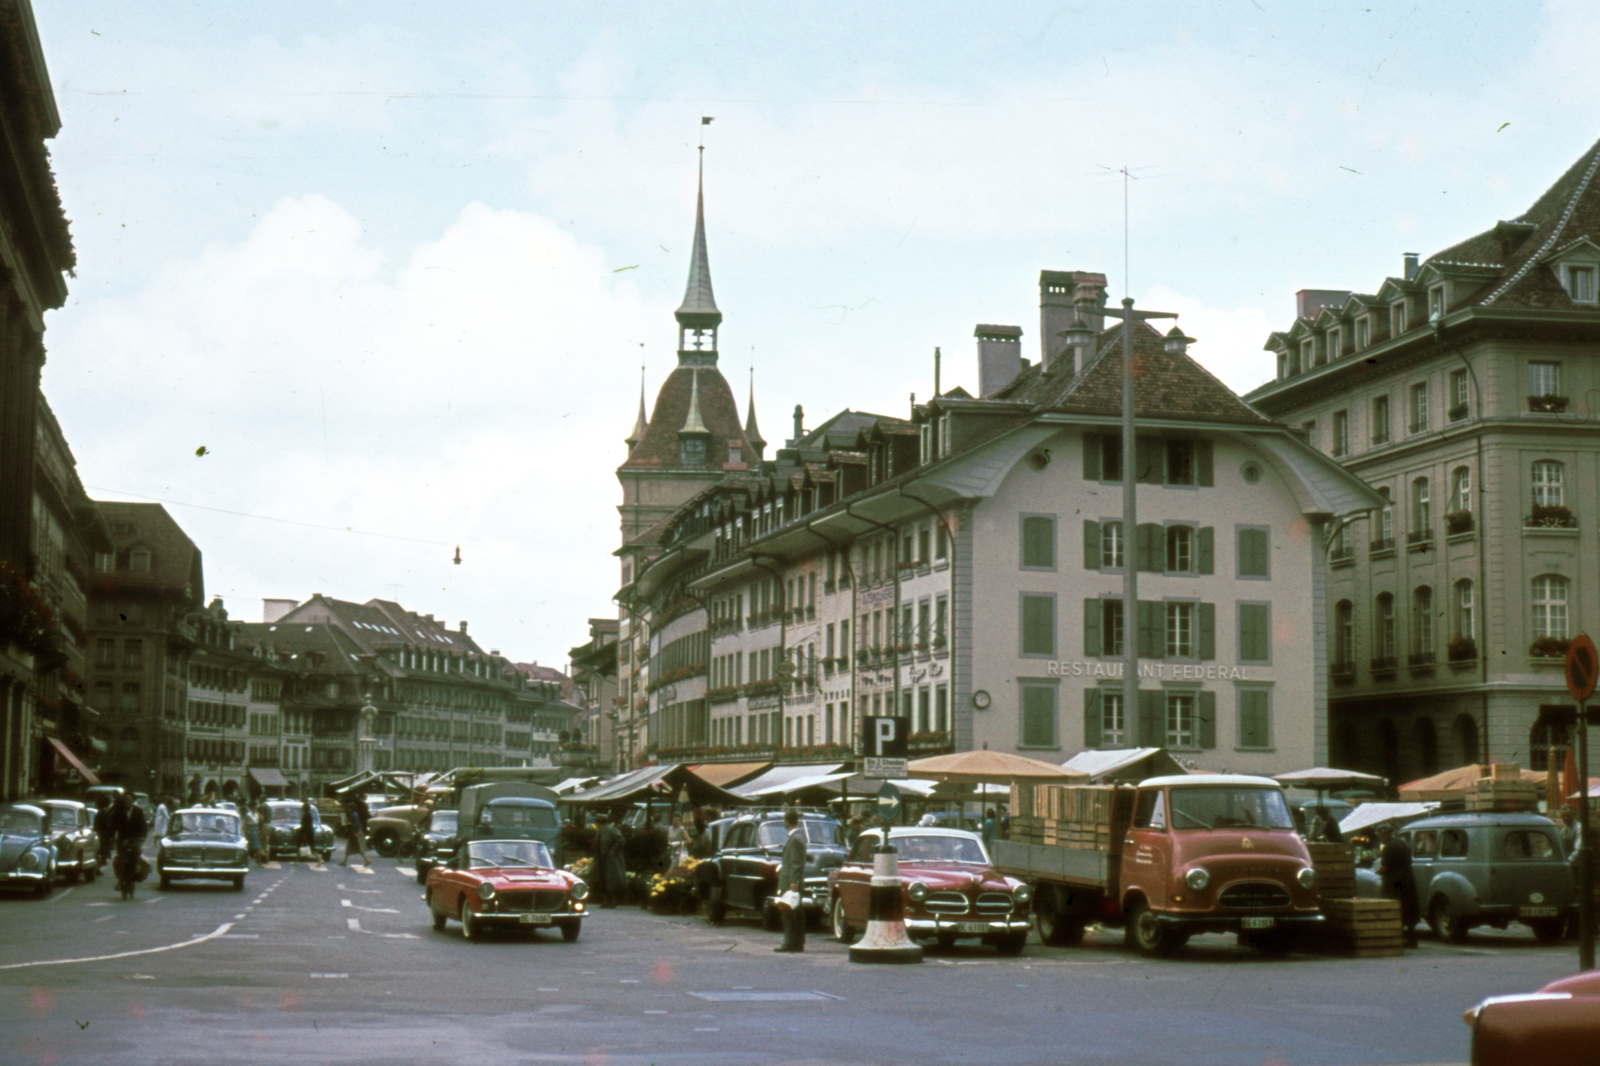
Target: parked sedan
[76, 843]
[203, 842]
[1558, 1023]
[394, 830]
[951, 891]
[286, 827]
[27, 859]
[743, 876]
[508, 883]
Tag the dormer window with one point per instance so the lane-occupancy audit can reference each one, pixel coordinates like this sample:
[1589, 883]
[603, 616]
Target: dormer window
[1363, 332]
[1283, 365]
[1308, 354]
[139, 560]
[1335, 343]
[1397, 318]
[694, 452]
[1436, 300]
[1579, 281]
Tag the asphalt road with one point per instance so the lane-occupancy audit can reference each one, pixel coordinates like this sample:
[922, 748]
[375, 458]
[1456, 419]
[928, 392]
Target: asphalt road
[317, 964]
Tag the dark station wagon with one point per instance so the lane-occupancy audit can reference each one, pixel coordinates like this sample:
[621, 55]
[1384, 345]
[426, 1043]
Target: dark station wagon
[1491, 869]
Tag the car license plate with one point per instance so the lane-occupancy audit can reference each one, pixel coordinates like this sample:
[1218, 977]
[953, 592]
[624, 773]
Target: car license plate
[972, 927]
[1257, 923]
[1536, 912]
[534, 919]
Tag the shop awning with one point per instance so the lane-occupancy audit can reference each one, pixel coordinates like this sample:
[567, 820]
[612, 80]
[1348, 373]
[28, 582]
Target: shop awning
[728, 774]
[799, 784]
[77, 763]
[268, 777]
[658, 783]
[783, 773]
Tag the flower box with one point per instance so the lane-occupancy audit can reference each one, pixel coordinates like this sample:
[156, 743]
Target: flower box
[1549, 648]
[1548, 403]
[1457, 412]
[1458, 521]
[1552, 516]
[1461, 649]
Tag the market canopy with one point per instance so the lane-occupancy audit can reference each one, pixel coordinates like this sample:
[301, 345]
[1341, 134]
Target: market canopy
[572, 784]
[1453, 783]
[782, 775]
[1370, 814]
[1125, 764]
[1326, 779]
[985, 766]
[729, 774]
[268, 777]
[658, 783]
[796, 785]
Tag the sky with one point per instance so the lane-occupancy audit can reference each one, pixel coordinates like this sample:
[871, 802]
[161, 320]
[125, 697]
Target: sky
[395, 267]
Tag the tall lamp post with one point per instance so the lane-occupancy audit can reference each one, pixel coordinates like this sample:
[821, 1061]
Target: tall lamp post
[366, 743]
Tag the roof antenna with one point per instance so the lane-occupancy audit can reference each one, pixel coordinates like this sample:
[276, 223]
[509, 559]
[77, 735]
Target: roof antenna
[936, 392]
[1127, 289]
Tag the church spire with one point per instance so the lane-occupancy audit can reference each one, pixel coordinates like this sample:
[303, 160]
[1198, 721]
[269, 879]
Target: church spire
[698, 315]
[751, 432]
[694, 424]
[641, 423]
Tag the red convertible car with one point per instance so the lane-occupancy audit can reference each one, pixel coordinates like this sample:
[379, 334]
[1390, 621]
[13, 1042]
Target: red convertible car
[505, 883]
[1558, 1023]
[951, 891]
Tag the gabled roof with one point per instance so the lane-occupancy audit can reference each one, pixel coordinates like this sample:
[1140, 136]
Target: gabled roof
[659, 448]
[174, 559]
[1169, 385]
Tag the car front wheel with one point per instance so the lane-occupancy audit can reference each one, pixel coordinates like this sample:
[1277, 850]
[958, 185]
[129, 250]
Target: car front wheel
[386, 843]
[570, 931]
[841, 922]
[469, 924]
[1445, 924]
[439, 916]
[1146, 934]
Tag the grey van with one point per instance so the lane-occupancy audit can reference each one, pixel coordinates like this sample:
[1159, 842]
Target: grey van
[1491, 869]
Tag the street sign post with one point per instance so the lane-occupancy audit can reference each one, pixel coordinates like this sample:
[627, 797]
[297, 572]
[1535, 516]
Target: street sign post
[888, 807]
[1582, 667]
[883, 746]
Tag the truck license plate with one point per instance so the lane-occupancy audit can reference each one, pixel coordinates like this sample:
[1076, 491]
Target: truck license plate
[972, 927]
[1257, 923]
[1536, 912]
[534, 919]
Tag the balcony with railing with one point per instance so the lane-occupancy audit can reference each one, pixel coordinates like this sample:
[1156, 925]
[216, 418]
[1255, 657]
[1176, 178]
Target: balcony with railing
[1384, 665]
[1547, 404]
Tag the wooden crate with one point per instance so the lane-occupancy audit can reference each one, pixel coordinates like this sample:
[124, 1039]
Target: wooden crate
[1363, 928]
[1506, 771]
[1336, 869]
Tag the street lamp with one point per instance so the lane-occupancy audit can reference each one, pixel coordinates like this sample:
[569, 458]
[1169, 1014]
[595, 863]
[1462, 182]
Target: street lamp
[366, 743]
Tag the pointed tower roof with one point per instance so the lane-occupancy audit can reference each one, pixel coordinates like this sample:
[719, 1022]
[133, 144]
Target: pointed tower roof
[751, 432]
[699, 310]
[692, 422]
[640, 424]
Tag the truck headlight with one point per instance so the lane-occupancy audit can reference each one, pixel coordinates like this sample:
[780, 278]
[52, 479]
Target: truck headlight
[917, 891]
[1307, 877]
[1197, 879]
[579, 891]
[1022, 895]
[486, 891]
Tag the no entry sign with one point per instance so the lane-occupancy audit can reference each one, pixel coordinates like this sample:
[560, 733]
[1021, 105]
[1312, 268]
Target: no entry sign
[1582, 666]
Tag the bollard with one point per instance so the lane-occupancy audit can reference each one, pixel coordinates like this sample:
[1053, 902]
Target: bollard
[885, 939]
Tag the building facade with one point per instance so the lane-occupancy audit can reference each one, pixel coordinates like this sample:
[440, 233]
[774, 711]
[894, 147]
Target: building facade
[1457, 390]
[592, 742]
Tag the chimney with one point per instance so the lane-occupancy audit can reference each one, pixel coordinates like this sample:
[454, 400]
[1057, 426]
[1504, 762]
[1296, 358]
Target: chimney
[999, 357]
[272, 610]
[1077, 344]
[799, 425]
[1065, 295]
[463, 628]
[1176, 342]
[1309, 302]
[1411, 265]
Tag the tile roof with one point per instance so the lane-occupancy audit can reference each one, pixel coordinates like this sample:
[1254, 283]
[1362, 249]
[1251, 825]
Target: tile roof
[174, 559]
[1170, 385]
[659, 448]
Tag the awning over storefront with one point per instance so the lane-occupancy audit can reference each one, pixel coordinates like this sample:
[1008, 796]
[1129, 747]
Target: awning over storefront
[728, 774]
[77, 763]
[783, 774]
[268, 777]
[659, 784]
[797, 785]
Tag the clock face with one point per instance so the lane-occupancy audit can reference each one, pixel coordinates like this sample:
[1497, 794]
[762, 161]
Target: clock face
[980, 700]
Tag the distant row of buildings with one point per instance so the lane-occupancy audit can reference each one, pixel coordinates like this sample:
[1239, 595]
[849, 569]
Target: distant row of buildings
[113, 667]
[1376, 560]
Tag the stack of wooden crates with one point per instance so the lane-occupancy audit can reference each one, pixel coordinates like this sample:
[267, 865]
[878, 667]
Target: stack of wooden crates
[1362, 928]
[1504, 790]
[1070, 816]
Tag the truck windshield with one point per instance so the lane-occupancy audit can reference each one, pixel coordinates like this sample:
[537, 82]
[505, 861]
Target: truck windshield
[1217, 808]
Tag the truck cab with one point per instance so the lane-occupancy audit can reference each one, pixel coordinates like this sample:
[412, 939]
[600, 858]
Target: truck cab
[511, 810]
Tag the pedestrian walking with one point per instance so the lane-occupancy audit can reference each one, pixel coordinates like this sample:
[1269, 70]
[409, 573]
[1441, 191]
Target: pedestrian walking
[307, 838]
[991, 826]
[791, 882]
[355, 830]
[128, 827]
[163, 815]
[1399, 882]
[610, 870]
[102, 826]
[854, 830]
[262, 816]
[678, 839]
[1567, 818]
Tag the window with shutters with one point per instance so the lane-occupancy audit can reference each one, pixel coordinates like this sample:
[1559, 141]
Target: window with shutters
[1102, 627]
[1038, 624]
[1422, 625]
[1341, 433]
[1253, 554]
[1180, 549]
[1038, 542]
[1181, 731]
[1380, 420]
[1180, 631]
[1038, 724]
[1180, 462]
[1344, 637]
[1255, 717]
[1255, 641]
[1111, 546]
[1104, 723]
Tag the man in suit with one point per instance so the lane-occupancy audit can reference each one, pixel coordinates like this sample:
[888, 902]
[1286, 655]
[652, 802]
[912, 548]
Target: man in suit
[792, 877]
[1399, 882]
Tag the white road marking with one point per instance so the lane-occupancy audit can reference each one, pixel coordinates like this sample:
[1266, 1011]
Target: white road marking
[97, 904]
[366, 871]
[63, 894]
[707, 1030]
[155, 899]
[354, 924]
[628, 981]
[362, 891]
[107, 918]
[272, 866]
[405, 871]
[238, 917]
[330, 975]
[220, 931]
[655, 1012]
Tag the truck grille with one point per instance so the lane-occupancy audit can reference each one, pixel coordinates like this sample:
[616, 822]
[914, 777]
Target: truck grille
[946, 903]
[1254, 896]
[995, 905]
[533, 900]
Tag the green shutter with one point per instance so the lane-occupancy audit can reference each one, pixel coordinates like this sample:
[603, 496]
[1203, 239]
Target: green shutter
[1152, 728]
[1038, 541]
[1150, 457]
[1091, 628]
[1038, 716]
[1202, 465]
[1207, 713]
[1091, 545]
[1254, 729]
[1152, 542]
[1152, 630]
[1206, 624]
[1091, 718]
[1252, 553]
[1038, 626]
[1254, 639]
[1091, 456]
[1207, 550]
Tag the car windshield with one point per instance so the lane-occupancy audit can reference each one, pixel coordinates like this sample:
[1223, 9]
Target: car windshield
[20, 821]
[773, 834]
[442, 822]
[1217, 808]
[290, 812]
[485, 854]
[206, 822]
[917, 847]
[518, 816]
